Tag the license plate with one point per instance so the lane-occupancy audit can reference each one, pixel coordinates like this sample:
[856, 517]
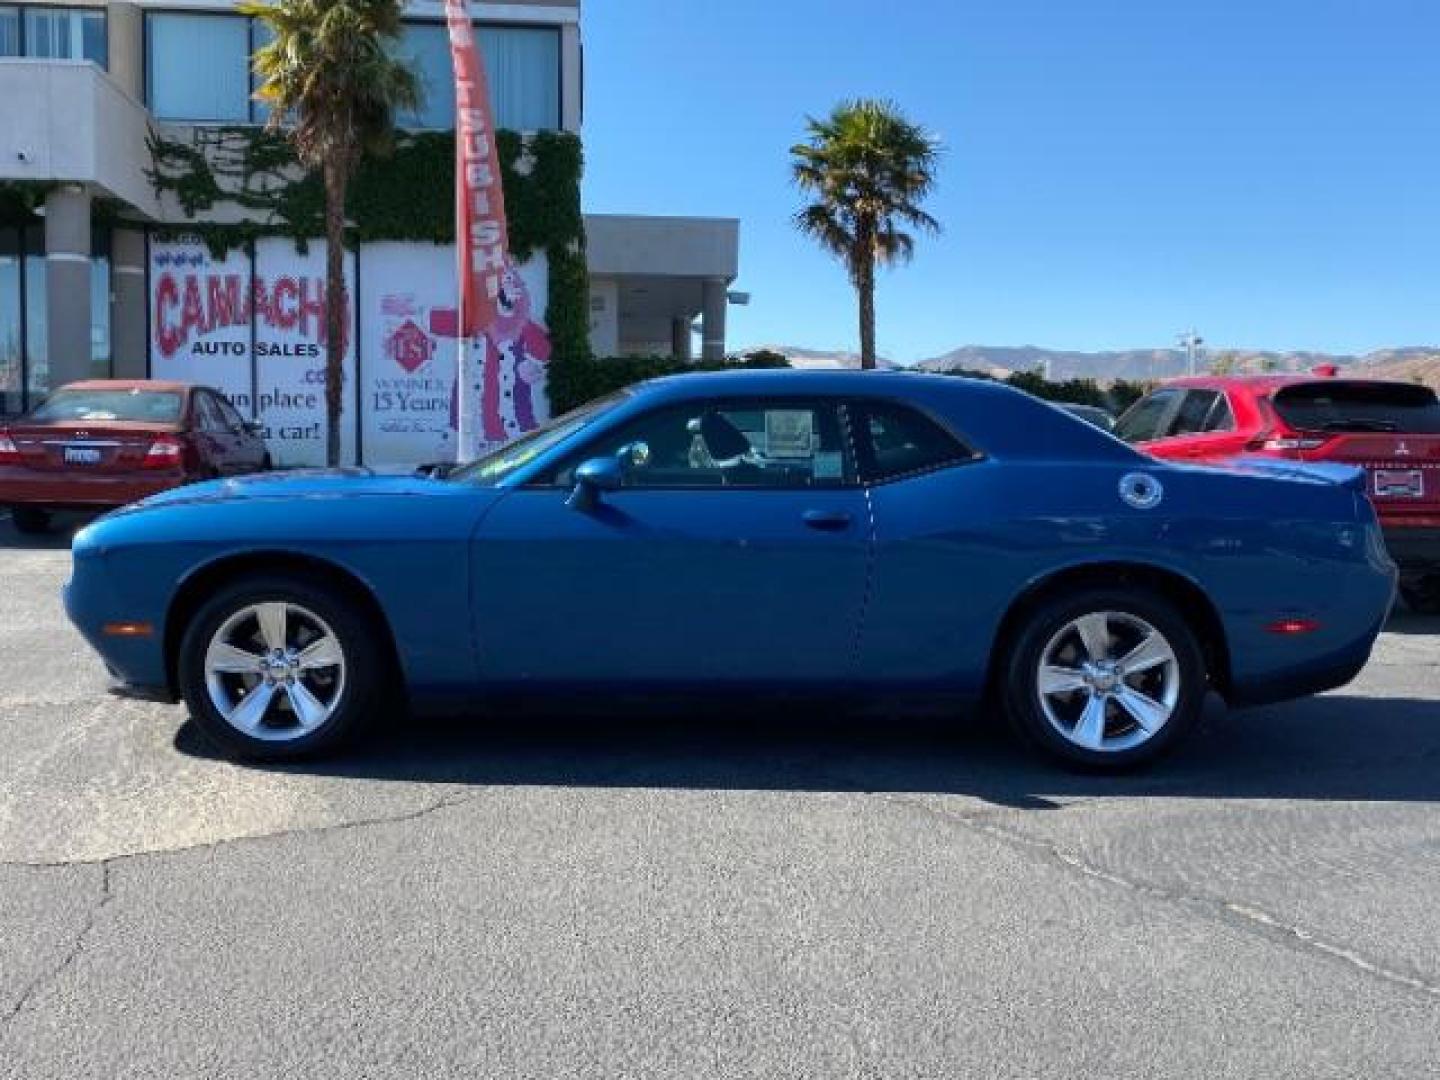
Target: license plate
[1400, 483]
[82, 455]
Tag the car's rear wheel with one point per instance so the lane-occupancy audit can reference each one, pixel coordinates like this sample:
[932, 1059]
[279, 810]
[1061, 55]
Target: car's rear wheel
[275, 667]
[1105, 679]
[31, 520]
[1422, 596]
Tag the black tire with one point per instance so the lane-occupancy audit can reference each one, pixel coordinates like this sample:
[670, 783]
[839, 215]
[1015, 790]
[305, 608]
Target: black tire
[1423, 595]
[30, 520]
[1025, 654]
[366, 669]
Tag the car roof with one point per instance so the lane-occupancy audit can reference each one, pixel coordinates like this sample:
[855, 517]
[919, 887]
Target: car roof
[916, 384]
[156, 385]
[1266, 383]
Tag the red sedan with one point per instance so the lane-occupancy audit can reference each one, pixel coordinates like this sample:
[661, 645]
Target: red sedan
[109, 442]
[1391, 429]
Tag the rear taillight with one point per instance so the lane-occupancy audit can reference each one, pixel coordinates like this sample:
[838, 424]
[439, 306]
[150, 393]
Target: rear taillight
[9, 452]
[1277, 438]
[166, 452]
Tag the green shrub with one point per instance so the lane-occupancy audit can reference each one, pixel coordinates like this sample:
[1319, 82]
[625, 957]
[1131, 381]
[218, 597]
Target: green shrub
[1117, 397]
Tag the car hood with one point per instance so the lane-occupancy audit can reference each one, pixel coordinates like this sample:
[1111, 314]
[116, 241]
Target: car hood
[296, 484]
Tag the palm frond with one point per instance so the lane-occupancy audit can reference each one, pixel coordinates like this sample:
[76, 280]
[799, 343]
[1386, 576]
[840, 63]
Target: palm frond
[868, 169]
[331, 77]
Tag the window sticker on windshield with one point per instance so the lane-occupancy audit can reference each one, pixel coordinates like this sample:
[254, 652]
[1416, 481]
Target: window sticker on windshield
[828, 466]
[789, 433]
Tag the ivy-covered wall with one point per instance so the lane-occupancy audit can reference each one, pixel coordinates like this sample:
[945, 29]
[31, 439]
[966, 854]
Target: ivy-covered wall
[408, 195]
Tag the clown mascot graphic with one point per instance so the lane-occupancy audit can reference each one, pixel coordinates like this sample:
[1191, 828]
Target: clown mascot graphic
[515, 349]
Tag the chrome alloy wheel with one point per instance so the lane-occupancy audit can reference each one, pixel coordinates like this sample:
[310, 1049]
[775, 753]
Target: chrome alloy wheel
[1108, 681]
[275, 671]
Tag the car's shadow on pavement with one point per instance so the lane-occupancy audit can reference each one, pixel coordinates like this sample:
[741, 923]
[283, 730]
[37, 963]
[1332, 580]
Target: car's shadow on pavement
[1404, 621]
[1329, 748]
[56, 538]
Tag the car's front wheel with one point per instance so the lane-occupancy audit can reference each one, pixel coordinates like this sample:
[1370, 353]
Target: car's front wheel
[276, 667]
[1105, 678]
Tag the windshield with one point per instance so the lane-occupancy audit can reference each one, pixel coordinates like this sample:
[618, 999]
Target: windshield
[1360, 406]
[144, 406]
[498, 465]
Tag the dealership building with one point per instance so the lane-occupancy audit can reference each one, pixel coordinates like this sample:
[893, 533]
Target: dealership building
[149, 226]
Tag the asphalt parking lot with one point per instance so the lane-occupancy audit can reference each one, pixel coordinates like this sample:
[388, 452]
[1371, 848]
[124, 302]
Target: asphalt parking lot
[768, 896]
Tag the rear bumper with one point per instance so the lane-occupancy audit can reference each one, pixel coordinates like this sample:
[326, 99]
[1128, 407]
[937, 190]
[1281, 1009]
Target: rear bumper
[1414, 550]
[29, 487]
[1328, 674]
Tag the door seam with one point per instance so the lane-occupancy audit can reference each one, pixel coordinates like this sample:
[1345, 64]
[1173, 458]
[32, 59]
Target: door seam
[867, 591]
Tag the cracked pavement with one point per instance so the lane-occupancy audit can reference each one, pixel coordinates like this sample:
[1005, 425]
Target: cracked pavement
[756, 896]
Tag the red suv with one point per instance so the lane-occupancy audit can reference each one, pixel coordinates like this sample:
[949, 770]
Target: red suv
[1391, 429]
[105, 443]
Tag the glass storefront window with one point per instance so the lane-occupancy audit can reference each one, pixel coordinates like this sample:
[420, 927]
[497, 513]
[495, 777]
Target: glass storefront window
[9, 31]
[199, 66]
[65, 34]
[101, 366]
[524, 69]
[37, 330]
[11, 340]
[523, 64]
[24, 353]
[199, 71]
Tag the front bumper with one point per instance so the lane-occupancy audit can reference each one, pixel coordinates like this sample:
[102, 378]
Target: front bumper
[136, 665]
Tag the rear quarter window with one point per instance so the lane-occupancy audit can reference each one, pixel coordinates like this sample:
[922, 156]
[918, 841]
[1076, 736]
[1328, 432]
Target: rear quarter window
[1359, 406]
[895, 441]
[1146, 418]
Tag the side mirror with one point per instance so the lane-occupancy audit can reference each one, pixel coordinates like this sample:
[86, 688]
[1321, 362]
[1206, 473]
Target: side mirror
[253, 427]
[593, 477]
[436, 470]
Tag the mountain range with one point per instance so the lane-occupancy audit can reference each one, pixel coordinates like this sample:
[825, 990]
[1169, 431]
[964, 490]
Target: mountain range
[1410, 363]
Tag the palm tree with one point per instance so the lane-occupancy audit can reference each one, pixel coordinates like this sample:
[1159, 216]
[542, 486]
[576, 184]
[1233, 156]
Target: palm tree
[868, 168]
[332, 82]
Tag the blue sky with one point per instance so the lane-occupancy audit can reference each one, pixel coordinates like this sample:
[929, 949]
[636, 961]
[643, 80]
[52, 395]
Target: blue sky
[1115, 170]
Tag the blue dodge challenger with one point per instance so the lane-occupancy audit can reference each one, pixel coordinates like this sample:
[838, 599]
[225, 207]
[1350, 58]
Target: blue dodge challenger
[882, 536]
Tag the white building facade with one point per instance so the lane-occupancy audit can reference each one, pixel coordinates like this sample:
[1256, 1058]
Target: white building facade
[98, 276]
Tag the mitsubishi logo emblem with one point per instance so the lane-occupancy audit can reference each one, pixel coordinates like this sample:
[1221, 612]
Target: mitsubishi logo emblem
[1402, 449]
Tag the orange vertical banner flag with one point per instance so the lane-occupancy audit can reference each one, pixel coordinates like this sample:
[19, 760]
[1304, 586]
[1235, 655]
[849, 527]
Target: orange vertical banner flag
[481, 239]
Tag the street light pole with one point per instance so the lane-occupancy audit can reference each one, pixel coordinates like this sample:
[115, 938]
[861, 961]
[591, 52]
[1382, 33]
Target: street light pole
[1191, 341]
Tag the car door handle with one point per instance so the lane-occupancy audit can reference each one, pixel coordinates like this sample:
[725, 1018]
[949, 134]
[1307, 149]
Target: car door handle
[827, 520]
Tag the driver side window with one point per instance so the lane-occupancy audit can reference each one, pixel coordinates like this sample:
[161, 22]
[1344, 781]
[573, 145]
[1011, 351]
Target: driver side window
[745, 444]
